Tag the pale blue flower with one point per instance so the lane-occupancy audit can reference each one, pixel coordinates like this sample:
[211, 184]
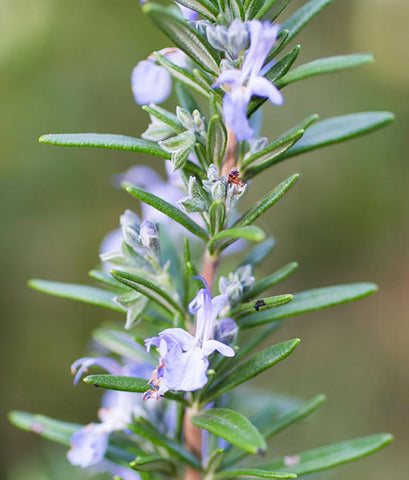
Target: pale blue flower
[89, 444]
[249, 80]
[152, 83]
[183, 357]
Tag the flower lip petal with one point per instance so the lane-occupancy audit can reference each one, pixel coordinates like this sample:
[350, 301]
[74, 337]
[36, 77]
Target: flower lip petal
[262, 87]
[212, 345]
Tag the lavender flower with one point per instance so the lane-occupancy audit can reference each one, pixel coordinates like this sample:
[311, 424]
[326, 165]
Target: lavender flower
[152, 83]
[183, 357]
[89, 444]
[249, 80]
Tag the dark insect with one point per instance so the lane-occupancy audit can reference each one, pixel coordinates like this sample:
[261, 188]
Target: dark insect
[234, 177]
[259, 304]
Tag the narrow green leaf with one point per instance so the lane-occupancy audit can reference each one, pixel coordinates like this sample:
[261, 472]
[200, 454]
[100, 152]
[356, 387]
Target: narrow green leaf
[302, 16]
[152, 463]
[233, 427]
[323, 66]
[119, 342]
[331, 455]
[283, 66]
[181, 74]
[167, 209]
[266, 202]
[46, 427]
[189, 271]
[310, 301]
[142, 427]
[204, 7]
[180, 147]
[257, 364]
[185, 99]
[259, 253]
[217, 214]
[280, 43]
[235, 9]
[61, 432]
[164, 116]
[271, 280]
[251, 233]
[216, 140]
[118, 382]
[105, 140]
[261, 305]
[251, 343]
[264, 158]
[264, 8]
[253, 472]
[338, 129]
[81, 293]
[184, 36]
[269, 427]
[149, 289]
[215, 460]
[108, 280]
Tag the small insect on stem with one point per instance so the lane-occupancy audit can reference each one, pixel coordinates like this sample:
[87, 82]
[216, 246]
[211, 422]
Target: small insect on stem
[234, 177]
[259, 304]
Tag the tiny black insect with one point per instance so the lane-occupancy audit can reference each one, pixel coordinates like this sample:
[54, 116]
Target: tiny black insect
[258, 304]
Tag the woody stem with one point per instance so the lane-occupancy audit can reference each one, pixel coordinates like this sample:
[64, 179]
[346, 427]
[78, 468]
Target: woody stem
[192, 434]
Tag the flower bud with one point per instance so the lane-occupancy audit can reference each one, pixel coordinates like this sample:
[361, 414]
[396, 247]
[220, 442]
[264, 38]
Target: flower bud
[130, 227]
[149, 237]
[226, 330]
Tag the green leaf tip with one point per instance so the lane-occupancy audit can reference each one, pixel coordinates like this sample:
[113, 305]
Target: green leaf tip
[82, 293]
[330, 456]
[105, 140]
[118, 382]
[233, 427]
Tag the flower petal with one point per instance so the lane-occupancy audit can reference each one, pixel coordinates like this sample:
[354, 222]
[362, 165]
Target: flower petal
[82, 364]
[232, 77]
[235, 113]
[88, 445]
[151, 83]
[262, 87]
[212, 345]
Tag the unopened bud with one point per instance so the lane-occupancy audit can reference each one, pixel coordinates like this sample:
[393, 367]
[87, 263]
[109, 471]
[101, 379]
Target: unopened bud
[130, 226]
[226, 330]
[149, 237]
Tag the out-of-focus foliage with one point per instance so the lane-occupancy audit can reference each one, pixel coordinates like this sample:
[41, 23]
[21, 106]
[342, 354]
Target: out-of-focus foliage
[64, 67]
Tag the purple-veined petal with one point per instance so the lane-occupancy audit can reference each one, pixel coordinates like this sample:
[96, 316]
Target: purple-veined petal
[262, 87]
[88, 445]
[212, 345]
[151, 83]
[82, 364]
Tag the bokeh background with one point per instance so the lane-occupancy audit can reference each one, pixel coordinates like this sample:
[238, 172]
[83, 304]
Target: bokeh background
[65, 67]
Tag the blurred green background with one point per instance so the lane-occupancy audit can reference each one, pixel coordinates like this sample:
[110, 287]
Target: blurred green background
[65, 67]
